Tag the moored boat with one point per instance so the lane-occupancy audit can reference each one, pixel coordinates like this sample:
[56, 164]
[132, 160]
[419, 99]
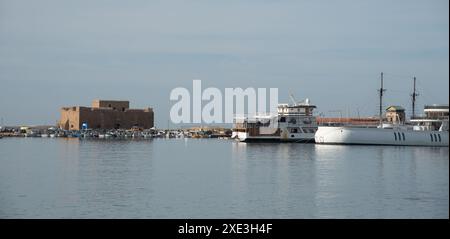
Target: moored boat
[292, 123]
[381, 136]
[428, 130]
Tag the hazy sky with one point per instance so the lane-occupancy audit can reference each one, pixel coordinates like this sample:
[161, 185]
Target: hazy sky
[63, 53]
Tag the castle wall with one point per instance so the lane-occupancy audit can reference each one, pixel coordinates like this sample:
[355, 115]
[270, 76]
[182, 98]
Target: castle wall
[114, 104]
[70, 118]
[117, 117]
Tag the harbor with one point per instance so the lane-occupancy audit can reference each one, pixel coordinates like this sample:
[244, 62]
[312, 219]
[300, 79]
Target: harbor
[119, 161]
[295, 122]
[52, 132]
[224, 110]
[433, 126]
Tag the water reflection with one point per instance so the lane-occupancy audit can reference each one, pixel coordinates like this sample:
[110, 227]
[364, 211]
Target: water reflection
[329, 181]
[377, 180]
[104, 175]
[203, 178]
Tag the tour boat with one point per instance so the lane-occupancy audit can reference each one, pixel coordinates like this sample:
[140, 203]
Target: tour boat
[292, 123]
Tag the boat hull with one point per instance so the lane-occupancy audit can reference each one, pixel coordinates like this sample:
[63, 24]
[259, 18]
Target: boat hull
[376, 136]
[245, 137]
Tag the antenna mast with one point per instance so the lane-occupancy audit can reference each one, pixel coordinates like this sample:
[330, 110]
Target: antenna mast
[292, 98]
[414, 95]
[381, 90]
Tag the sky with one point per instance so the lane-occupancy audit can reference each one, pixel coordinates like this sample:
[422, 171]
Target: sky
[65, 53]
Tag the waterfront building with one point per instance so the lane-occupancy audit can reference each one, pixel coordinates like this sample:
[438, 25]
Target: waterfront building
[105, 114]
[395, 114]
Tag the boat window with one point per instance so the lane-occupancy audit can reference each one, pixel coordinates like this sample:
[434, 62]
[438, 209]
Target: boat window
[292, 121]
[439, 137]
[292, 136]
[283, 119]
[395, 135]
[435, 138]
[308, 130]
[403, 134]
[431, 137]
[293, 130]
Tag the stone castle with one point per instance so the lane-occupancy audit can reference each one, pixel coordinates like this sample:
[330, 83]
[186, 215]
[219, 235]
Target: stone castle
[105, 114]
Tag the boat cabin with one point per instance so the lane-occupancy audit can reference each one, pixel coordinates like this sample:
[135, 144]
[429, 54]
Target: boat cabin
[395, 114]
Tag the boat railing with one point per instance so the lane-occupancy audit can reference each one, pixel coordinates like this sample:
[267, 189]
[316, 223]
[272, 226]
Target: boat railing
[430, 118]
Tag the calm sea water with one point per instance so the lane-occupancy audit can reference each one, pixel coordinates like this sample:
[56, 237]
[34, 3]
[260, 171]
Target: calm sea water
[210, 178]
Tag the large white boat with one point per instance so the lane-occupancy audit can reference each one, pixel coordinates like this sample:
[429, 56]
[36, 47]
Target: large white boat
[428, 130]
[402, 135]
[292, 123]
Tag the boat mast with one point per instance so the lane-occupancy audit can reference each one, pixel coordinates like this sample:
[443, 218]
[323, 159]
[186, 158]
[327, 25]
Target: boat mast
[414, 94]
[292, 98]
[381, 90]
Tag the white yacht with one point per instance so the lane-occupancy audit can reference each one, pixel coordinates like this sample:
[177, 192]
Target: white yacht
[293, 123]
[424, 131]
[428, 130]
